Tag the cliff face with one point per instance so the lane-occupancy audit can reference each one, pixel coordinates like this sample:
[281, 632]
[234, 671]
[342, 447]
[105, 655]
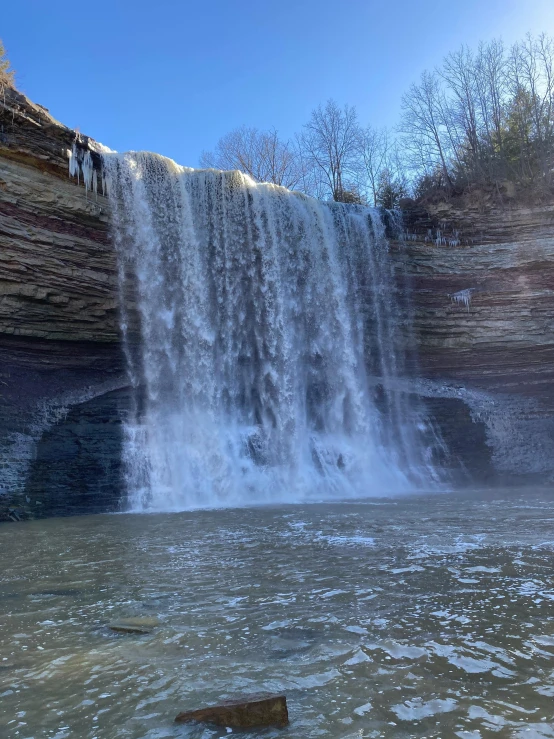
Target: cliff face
[60, 348]
[482, 293]
[482, 278]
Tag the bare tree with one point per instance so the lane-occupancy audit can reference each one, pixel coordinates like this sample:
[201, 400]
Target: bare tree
[533, 76]
[463, 121]
[312, 181]
[483, 117]
[491, 90]
[260, 154]
[330, 142]
[374, 149]
[425, 125]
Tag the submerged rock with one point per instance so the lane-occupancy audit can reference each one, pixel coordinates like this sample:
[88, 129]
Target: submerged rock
[249, 712]
[139, 625]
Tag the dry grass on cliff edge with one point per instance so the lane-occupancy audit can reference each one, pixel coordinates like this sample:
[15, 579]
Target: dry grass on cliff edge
[7, 74]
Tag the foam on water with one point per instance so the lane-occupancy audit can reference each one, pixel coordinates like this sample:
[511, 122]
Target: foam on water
[269, 343]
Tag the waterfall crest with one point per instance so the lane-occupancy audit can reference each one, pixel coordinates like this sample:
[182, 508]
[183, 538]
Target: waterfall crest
[269, 346]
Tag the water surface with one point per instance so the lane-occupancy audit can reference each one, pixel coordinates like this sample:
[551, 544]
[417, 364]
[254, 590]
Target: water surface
[427, 616]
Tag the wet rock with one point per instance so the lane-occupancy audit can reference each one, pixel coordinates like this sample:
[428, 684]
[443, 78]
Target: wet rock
[14, 514]
[138, 625]
[248, 712]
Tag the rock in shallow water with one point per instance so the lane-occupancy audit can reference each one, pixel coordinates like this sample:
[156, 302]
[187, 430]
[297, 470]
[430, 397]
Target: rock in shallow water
[139, 625]
[248, 712]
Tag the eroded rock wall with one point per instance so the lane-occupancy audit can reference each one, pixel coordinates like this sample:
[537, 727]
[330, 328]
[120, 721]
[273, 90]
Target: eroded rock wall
[60, 349]
[482, 280]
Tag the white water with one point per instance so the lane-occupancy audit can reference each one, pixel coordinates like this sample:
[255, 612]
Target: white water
[269, 347]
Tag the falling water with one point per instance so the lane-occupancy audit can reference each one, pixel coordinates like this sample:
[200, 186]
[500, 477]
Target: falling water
[269, 348]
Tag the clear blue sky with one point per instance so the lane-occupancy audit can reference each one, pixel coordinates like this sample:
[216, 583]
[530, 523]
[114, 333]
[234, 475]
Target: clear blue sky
[173, 76]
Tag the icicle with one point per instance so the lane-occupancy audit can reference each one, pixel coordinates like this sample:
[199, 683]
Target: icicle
[463, 297]
[73, 160]
[87, 169]
[454, 240]
[80, 162]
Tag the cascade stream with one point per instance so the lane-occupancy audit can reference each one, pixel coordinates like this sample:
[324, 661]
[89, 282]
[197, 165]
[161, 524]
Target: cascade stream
[270, 345]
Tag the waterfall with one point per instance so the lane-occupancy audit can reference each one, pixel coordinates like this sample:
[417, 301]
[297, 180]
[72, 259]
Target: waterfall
[269, 342]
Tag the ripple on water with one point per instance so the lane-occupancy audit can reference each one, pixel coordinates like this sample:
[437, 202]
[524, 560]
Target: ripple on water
[395, 619]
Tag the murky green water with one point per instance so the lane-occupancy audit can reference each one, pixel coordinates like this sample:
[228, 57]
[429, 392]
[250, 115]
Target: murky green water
[417, 617]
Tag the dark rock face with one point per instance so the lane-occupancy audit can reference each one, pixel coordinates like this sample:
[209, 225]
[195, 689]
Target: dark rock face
[465, 451]
[61, 411]
[249, 712]
[78, 461]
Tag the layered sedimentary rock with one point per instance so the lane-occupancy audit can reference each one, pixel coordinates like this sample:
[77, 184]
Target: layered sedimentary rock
[62, 382]
[481, 277]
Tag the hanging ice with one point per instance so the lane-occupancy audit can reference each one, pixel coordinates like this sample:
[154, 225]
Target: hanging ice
[463, 297]
[80, 162]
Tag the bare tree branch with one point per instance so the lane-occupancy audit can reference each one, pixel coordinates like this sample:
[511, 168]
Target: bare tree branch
[260, 154]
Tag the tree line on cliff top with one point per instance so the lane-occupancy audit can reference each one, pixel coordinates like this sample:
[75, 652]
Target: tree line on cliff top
[484, 118]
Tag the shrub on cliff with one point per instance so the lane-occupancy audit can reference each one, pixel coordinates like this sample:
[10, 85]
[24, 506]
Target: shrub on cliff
[7, 74]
